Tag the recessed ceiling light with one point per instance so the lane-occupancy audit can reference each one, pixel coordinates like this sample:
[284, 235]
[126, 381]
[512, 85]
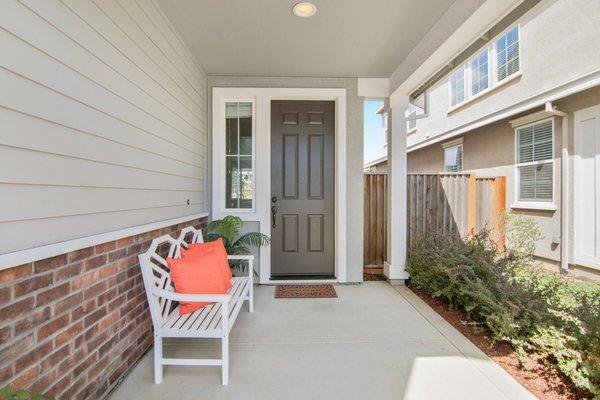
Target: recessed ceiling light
[304, 9]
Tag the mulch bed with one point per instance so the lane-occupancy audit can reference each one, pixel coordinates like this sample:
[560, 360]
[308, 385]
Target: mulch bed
[542, 381]
[305, 291]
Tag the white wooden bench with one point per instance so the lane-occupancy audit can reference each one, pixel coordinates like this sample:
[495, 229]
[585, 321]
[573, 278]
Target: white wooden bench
[212, 321]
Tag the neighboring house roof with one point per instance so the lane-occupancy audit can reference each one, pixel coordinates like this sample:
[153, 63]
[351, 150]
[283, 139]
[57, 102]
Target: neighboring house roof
[375, 162]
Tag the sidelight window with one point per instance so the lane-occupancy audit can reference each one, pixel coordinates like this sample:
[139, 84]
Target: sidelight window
[239, 171]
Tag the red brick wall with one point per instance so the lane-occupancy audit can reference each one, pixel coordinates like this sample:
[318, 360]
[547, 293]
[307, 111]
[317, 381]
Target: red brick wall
[72, 325]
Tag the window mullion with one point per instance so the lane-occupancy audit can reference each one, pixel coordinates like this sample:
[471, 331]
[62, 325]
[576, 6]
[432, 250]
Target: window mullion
[239, 170]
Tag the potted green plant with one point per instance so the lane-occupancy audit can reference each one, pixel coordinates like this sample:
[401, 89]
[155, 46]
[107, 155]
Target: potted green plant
[228, 229]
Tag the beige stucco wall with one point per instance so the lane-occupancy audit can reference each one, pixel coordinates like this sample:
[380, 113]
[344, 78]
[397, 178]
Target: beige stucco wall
[354, 151]
[559, 42]
[490, 151]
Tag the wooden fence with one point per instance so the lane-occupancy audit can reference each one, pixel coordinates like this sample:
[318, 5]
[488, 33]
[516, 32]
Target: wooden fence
[454, 204]
[375, 219]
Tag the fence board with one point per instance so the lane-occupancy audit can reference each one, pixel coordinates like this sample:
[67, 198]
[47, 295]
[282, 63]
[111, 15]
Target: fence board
[375, 223]
[454, 204]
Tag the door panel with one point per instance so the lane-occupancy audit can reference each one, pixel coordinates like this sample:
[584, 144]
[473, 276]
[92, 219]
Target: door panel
[315, 166]
[290, 166]
[302, 188]
[587, 188]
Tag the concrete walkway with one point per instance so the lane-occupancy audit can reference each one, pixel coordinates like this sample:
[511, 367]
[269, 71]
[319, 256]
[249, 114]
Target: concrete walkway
[373, 342]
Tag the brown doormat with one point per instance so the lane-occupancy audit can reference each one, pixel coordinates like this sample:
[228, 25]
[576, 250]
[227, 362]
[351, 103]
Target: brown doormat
[304, 291]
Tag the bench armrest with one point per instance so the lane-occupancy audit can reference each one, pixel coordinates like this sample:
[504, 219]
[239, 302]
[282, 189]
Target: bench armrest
[241, 257]
[218, 298]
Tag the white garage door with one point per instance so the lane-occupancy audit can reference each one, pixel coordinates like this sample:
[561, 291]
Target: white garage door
[587, 187]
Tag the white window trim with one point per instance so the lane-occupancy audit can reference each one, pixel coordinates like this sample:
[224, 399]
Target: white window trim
[470, 73]
[449, 145]
[504, 32]
[493, 82]
[408, 114]
[219, 146]
[464, 68]
[452, 142]
[534, 205]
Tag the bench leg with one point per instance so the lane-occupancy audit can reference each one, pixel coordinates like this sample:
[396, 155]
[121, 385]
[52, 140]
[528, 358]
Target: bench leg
[158, 372]
[225, 360]
[251, 289]
[225, 343]
[251, 299]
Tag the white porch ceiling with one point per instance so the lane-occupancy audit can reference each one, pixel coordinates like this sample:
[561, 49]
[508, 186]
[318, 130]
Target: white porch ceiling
[346, 38]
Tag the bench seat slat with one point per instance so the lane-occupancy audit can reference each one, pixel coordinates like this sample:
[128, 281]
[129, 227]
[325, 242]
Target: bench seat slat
[208, 318]
[236, 296]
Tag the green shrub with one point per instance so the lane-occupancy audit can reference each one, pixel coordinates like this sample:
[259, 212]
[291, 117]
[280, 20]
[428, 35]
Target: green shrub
[505, 294]
[8, 393]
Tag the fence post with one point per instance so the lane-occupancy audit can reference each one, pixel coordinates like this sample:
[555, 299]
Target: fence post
[498, 208]
[472, 205]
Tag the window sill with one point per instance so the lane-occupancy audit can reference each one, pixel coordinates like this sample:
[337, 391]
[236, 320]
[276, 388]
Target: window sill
[408, 132]
[485, 92]
[534, 206]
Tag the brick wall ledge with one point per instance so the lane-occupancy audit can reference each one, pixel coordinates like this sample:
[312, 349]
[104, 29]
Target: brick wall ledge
[9, 260]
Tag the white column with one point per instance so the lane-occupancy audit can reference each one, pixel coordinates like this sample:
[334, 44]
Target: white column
[395, 266]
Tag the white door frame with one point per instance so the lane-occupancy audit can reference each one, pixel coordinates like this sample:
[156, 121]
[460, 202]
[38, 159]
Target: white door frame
[578, 117]
[262, 97]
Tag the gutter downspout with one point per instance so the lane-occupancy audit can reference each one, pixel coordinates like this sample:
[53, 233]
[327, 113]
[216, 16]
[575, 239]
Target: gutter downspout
[564, 190]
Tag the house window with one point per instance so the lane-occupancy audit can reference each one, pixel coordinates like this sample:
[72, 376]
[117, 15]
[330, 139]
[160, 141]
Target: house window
[507, 54]
[453, 158]
[411, 111]
[457, 86]
[535, 162]
[239, 127]
[476, 76]
[478, 67]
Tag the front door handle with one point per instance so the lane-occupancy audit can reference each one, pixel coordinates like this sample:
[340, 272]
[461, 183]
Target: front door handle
[274, 216]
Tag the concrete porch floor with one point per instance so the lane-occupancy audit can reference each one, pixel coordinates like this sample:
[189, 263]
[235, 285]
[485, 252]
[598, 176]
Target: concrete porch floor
[373, 342]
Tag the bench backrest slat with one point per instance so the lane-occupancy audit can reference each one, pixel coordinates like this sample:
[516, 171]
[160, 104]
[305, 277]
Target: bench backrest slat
[156, 273]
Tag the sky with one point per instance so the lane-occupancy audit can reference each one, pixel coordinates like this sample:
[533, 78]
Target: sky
[373, 131]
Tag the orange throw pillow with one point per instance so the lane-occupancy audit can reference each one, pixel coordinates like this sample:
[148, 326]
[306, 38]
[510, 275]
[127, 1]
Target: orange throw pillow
[197, 275]
[217, 245]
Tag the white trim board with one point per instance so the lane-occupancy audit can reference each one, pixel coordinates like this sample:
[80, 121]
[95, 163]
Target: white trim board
[579, 116]
[573, 86]
[374, 88]
[20, 257]
[262, 98]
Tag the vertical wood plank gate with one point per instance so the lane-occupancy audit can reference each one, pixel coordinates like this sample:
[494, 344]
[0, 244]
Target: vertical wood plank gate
[375, 219]
[451, 204]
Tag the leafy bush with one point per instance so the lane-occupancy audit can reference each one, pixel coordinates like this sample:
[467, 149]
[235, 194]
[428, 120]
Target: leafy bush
[8, 393]
[505, 294]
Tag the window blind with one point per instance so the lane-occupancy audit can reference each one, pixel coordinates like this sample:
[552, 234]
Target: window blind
[534, 162]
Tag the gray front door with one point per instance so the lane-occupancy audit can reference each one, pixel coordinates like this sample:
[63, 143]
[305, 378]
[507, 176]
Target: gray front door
[302, 189]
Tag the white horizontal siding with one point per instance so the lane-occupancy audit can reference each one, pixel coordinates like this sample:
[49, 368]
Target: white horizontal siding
[102, 120]
[85, 225]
